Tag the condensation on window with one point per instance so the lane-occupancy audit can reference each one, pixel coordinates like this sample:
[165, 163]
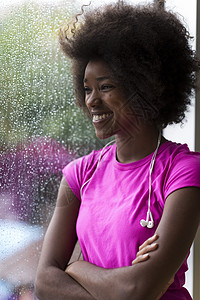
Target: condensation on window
[41, 130]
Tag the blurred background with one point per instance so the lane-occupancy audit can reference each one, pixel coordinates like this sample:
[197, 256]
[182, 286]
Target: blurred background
[42, 130]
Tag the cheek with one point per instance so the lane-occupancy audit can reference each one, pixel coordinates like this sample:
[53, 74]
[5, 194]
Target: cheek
[116, 104]
[127, 115]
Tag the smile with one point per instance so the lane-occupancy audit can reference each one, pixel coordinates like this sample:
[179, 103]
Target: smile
[101, 117]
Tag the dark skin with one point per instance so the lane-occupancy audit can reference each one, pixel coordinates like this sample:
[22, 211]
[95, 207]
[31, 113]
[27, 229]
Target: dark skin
[136, 282]
[52, 282]
[175, 233]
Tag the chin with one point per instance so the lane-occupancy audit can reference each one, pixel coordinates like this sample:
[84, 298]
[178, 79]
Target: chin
[103, 135]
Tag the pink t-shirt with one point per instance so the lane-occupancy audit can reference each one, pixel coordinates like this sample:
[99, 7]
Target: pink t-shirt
[116, 198]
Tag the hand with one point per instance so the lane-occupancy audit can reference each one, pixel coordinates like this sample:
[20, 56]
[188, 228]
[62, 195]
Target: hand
[143, 254]
[67, 269]
[148, 246]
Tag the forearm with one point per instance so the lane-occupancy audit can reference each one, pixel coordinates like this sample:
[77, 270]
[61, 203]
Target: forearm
[147, 280]
[114, 284]
[56, 284]
[102, 283]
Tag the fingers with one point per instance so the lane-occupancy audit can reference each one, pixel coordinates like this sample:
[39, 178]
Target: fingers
[149, 241]
[148, 246]
[146, 249]
[140, 258]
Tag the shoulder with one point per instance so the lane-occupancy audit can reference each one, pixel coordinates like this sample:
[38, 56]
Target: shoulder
[175, 153]
[179, 155]
[182, 167]
[80, 170]
[89, 161]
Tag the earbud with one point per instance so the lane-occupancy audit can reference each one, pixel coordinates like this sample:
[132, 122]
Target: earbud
[150, 224]
[147, 223]
[143, 223]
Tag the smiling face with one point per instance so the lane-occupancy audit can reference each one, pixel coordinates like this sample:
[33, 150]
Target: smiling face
[111, 114]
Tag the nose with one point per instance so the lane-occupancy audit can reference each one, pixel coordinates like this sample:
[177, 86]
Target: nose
[93, 99]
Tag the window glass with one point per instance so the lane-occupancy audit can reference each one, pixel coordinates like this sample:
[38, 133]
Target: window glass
[41, 130]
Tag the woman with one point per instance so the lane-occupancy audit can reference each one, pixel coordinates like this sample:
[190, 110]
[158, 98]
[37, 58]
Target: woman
[133, 75]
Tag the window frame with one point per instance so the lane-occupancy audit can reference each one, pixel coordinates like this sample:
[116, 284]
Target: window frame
[196, 250]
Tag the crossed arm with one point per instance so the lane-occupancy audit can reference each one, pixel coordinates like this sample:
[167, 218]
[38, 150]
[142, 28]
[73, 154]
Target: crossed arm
[145, 280]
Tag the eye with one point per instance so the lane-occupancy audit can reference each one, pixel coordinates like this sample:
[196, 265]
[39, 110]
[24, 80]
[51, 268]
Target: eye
[107, 86]
[87, 90]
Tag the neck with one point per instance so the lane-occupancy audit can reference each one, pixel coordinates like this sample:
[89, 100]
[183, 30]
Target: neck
[134, 148]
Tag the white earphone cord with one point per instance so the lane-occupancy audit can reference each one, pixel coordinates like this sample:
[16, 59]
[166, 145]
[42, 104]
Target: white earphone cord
[143, 222]
[146, 222]
[96, 166]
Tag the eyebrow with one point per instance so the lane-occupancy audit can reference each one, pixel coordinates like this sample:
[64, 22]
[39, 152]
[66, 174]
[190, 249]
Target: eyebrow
[101, 78]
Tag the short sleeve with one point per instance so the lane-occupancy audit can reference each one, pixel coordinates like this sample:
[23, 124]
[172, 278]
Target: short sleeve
[184, 172]
[72, 174]
[80, 170]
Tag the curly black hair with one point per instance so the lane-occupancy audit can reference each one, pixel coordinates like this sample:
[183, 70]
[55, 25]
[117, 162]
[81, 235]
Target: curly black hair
[146, 49]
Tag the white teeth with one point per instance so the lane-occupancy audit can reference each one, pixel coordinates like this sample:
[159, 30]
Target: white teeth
[100, 117]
